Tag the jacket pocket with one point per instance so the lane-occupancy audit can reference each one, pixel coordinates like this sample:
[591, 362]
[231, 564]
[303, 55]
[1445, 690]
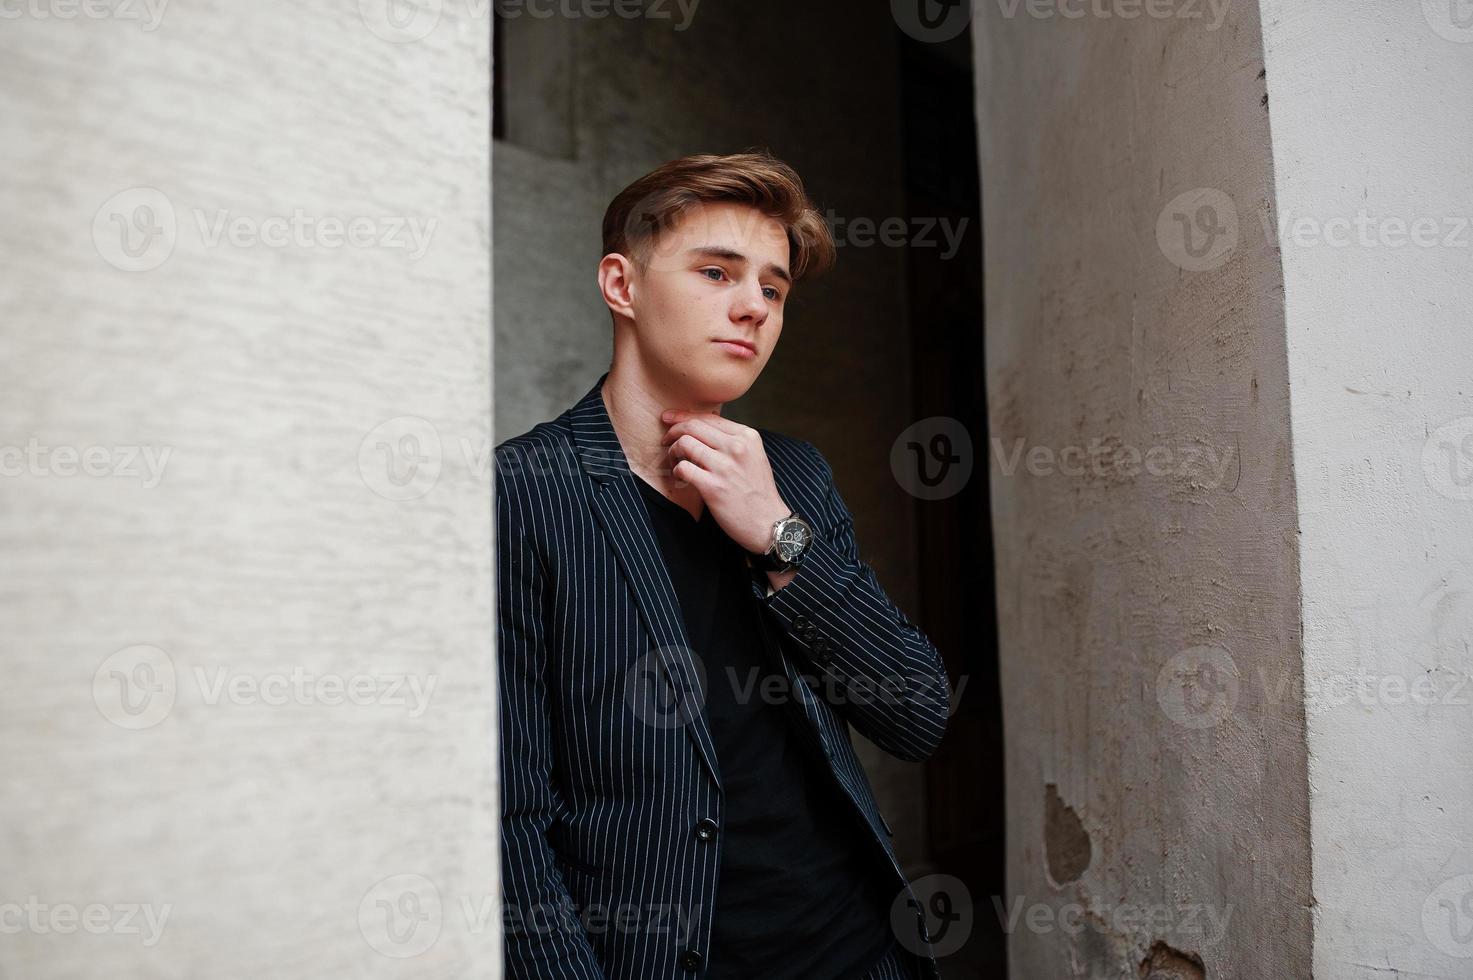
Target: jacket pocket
[577, 866]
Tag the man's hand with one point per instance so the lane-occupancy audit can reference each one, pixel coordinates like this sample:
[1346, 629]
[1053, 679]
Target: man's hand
[727, 463]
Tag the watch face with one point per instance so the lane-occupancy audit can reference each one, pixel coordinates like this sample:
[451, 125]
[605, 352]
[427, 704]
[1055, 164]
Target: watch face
[792, 539]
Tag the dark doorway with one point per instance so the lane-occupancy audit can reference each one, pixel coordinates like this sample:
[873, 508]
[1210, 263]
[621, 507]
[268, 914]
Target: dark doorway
[964, 780]
[881, 126]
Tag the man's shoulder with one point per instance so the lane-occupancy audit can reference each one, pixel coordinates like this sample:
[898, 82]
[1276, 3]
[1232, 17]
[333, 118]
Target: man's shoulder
[543, 454]
[553, 435]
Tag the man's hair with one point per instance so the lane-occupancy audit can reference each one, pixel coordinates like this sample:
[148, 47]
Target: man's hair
[656, 202]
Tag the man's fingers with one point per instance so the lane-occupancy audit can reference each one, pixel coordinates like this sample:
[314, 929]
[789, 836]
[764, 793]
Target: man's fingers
[692, 474]
[704, 431]
[688, 447]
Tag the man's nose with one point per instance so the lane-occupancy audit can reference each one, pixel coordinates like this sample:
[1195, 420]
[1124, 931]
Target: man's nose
[749, 305]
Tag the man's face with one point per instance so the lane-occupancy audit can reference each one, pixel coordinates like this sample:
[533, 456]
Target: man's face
[719, 277]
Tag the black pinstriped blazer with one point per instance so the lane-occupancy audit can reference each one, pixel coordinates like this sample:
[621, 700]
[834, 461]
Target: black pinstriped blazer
[610, 790]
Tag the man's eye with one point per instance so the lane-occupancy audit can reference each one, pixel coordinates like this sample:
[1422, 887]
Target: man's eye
[719, 274]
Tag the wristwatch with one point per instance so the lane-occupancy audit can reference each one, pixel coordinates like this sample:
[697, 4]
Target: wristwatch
[791, 537]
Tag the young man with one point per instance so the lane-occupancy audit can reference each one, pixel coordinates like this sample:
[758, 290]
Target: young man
[687, 633]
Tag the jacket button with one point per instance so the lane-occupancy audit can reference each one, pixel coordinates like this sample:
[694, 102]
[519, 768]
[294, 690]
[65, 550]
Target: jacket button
[706, 829]
[690, 960]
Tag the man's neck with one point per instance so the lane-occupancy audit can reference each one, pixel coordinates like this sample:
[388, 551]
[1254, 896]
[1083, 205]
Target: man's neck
[634, 404]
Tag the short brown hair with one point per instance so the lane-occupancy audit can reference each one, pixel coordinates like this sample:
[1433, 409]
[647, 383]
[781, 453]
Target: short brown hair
[656, 202]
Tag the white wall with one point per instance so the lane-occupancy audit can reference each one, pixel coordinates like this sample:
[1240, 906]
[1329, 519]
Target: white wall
[260, 832]
[1370, 104]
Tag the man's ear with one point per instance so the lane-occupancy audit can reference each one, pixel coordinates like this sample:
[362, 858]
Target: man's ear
[616, 274]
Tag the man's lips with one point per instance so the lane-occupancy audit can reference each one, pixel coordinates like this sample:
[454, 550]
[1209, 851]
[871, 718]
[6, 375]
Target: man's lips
[748, 346]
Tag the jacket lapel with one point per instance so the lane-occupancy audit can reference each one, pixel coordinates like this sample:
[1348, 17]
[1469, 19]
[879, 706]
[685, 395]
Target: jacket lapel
[621, 512]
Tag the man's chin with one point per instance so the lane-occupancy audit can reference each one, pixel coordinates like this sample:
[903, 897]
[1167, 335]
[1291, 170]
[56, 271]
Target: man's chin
[721, 382]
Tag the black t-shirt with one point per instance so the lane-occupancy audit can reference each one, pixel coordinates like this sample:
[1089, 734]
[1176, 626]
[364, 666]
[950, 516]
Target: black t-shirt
[801, 895]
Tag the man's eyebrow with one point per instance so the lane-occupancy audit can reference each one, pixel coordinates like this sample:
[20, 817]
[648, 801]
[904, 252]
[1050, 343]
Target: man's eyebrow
[721, 252]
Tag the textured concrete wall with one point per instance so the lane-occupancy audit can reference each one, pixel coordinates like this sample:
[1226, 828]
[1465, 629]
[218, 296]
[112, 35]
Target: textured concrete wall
[1372, 142]
[247, 709]
[735, 74]
[1158, 814]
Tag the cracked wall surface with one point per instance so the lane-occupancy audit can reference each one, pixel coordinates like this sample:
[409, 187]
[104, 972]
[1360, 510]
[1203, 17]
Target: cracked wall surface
[1143, 495]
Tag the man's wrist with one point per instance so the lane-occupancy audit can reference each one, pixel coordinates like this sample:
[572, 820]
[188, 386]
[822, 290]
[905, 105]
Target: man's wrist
[764, 533]
[776, 580]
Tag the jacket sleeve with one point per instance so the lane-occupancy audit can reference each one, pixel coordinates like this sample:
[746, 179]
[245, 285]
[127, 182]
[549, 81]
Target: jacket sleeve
[887, 678]
[545, 940]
